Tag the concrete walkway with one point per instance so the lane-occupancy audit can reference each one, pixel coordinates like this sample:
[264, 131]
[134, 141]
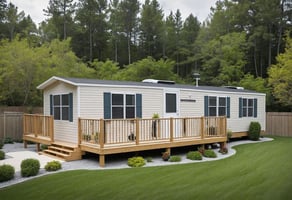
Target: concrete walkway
[15, 153]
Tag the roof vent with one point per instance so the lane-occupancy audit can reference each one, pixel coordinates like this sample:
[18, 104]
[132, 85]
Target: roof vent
[234, 87]
[158, 81]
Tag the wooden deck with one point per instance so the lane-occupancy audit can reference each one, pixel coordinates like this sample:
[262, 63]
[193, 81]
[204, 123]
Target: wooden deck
[104, 137]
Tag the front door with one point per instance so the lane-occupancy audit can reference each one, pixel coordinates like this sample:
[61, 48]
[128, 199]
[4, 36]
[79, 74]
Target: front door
[171, 108]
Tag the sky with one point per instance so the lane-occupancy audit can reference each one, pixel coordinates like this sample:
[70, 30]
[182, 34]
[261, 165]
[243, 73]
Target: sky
[199, 8]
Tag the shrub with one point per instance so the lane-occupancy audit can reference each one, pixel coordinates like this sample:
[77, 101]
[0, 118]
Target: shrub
[8, 140]
[136, 161]
[2, 155]
[175, 159]
[194, 155]
[6, 172]
[53, 166]
[254, 131]
[210, 153]
[44, 147]
[149, 159]
[29, 167]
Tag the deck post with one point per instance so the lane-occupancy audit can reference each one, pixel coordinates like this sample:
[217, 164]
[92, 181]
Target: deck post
[38, 146]
[79, 131]
[137, 132]
[25, 144]
[101, 160]
[168, 150]
[101, 133]
[202, 128]
[171, 129]
[35, 125]
[51, 127]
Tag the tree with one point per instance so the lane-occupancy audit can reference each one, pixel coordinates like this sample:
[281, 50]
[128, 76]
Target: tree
[151, 28]
[280, 76]
[91, 16]
[224, 59]
[13, 18]
[23, 67]
[61, 12]
[128, 14]
[149, 68]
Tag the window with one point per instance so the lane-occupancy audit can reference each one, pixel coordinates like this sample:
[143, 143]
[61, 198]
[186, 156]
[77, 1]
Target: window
[247, 107]
[123, 106]
[217, 106]
[61, 107]
[170, 103]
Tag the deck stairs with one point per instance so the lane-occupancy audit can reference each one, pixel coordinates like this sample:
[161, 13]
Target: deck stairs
[63, 151]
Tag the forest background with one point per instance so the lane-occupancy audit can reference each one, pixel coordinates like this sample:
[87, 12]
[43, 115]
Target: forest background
[242, 43]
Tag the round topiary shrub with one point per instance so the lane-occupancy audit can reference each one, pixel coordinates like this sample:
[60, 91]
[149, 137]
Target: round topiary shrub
[136, 161]
[175, 159]
[194, 155]
[29, 167]
[254, 131]
[6, 172]
[2, 155]
[53, 166]
[210, 153]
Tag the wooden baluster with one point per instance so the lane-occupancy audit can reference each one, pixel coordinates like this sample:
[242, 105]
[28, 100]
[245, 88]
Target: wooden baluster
[137, 131]
[171, 129]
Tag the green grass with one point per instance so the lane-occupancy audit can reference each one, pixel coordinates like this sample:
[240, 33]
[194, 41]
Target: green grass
[257, 171]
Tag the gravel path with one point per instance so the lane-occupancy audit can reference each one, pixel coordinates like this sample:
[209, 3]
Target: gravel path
[15, 153]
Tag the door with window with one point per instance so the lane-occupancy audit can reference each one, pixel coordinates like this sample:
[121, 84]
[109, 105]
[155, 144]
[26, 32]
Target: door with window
[171, 108]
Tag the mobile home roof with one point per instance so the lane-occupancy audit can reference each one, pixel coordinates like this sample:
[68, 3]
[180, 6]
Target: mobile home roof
[97, 82]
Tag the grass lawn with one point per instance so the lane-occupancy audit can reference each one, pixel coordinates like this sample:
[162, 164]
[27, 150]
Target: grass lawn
[257, 171]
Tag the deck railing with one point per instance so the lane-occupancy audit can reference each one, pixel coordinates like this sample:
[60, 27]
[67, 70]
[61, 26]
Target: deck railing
[119, 131]
[38, 125]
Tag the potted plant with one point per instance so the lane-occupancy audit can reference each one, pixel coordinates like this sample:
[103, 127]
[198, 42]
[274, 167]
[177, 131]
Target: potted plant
[165, 156]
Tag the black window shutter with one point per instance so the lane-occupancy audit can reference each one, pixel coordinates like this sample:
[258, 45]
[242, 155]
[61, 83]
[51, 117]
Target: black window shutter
[107, 105]
[139, 105]
[51, 105]
[71, 107]
[206, 106]
[255, 104]
[240, 107]
[228, 107]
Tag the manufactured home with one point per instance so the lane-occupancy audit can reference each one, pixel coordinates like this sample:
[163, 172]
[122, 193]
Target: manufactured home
[109, 117]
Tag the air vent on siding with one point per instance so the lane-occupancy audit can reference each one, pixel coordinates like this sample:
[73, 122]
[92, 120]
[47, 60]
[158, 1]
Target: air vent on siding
[158, 81]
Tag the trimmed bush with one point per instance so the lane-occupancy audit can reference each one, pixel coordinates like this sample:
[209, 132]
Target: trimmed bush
[2, 155]
[53, 166]
[254, 131]
[165, 156]
[6, 172]
[194, 155]
[8, 140]
[149, 159]
[136, 161]
[30, 167]
[175, 159]
[210, 153]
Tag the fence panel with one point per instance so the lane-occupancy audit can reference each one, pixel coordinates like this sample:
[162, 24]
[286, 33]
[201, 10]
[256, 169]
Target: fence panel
[279, 123]
[11, 125]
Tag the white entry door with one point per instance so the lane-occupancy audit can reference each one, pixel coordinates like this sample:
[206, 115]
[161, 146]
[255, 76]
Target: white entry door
[171, 108]
[171, 103]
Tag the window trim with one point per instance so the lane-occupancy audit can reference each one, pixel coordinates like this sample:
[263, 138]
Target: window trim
[69, 106]
[124, 106]
[244, 109]
[217, 107]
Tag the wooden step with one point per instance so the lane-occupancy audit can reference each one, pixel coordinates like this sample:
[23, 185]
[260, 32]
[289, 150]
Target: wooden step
[64, 151]
[55, 148]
